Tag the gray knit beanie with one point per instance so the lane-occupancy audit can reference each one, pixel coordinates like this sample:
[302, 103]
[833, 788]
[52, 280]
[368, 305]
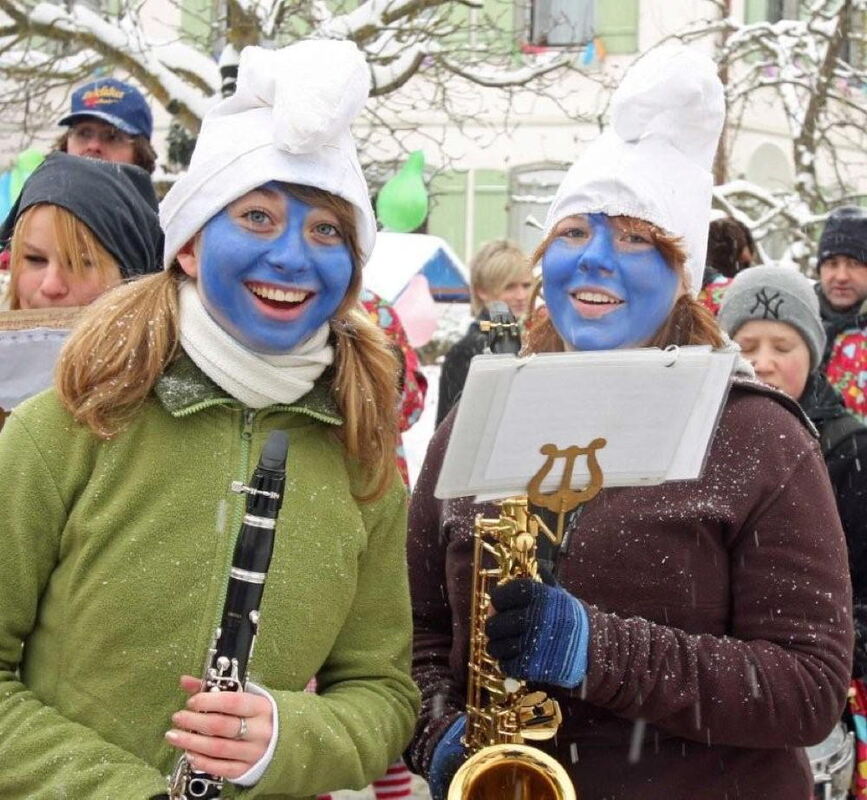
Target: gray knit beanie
[780, 294]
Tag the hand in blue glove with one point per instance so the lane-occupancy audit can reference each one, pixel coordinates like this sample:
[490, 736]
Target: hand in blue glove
[447, 758]
[540, 633]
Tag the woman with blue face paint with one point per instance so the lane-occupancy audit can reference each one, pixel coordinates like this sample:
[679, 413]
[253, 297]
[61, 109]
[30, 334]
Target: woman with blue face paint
[608, 282]
[120, 539]
[697, 635]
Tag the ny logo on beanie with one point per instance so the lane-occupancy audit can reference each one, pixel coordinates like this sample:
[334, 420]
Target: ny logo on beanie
[770, 305]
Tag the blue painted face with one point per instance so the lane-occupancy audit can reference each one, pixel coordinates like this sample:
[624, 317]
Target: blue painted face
[605, 286]
[272, 269]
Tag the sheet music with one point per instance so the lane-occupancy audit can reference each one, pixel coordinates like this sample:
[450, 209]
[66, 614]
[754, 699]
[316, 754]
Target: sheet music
[656, 409]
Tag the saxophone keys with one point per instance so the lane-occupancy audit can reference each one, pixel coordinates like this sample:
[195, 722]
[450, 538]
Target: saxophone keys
[539, 717]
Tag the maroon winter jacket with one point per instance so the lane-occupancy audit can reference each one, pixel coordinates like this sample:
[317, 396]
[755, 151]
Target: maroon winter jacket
[720, 638]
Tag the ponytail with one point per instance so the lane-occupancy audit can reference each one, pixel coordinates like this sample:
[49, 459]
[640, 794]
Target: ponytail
[118, 350]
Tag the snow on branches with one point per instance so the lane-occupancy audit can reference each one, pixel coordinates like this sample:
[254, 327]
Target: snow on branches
[440, 39]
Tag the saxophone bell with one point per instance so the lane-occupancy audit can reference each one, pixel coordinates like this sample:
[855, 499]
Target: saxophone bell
[513, 772]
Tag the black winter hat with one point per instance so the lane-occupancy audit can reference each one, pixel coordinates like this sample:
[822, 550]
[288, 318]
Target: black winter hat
[116, 201]
[845, 234]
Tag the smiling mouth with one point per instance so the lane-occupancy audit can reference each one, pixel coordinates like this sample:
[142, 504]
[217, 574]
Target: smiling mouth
[595, 303]
[596, 298]
[277, 298]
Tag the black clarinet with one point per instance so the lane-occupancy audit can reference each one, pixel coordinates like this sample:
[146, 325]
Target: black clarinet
[232, 645]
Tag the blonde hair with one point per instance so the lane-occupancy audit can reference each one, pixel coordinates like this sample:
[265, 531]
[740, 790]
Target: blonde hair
[493, 267]
[688, 322]
[77, 245]
[104, 378]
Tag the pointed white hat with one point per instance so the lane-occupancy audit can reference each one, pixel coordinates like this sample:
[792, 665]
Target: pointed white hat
[654, 161]
[288, 121]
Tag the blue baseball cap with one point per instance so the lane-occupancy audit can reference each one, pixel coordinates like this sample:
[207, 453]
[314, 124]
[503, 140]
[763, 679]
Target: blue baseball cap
[114, 102]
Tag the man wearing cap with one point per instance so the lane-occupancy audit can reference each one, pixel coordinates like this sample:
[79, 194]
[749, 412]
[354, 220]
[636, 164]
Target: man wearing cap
[842, 291]
[111, 121]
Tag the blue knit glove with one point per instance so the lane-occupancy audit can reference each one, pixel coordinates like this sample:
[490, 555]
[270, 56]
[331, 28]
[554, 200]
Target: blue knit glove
[447, 758]
[540, 633]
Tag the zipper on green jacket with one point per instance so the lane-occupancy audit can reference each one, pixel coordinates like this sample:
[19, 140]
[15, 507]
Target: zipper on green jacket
[186, 412]
[249, 416]
[219, 401]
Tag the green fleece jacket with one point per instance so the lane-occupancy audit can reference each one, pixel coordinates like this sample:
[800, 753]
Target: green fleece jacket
[114, 565]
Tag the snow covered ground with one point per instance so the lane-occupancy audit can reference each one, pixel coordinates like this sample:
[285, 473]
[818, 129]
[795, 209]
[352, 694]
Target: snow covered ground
[416, 439]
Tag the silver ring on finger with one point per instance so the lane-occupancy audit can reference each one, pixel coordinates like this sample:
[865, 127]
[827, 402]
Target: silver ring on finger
[242, 729]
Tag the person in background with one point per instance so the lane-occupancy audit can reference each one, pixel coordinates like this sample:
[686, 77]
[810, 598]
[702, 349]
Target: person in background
[78, 228]
[119, 535]
[109, 120]
[499, 271]
[773, 314]
[704, 625]
[730, 249]
[842, 291]
[413, 383]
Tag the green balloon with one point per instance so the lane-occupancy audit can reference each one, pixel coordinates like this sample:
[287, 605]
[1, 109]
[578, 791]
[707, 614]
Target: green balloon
[402, 203]
[27, 161]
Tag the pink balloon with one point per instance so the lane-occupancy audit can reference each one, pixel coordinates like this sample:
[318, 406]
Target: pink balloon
[417, 311]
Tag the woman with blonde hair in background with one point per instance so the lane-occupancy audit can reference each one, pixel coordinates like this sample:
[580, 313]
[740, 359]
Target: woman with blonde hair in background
[500, 271]
[119, 536]
[78, 228]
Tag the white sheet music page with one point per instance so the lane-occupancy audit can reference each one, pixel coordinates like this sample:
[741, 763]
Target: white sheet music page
[657, 411]
[27, 359]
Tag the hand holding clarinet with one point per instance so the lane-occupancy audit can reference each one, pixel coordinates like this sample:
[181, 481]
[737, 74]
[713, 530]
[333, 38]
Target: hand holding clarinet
[224, 729]
[221, 733]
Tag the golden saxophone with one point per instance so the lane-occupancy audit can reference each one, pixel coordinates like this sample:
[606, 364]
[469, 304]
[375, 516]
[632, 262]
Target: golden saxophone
[501, 713]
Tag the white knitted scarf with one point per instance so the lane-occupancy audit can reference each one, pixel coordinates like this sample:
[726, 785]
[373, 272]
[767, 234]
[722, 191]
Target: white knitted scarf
[256, 379]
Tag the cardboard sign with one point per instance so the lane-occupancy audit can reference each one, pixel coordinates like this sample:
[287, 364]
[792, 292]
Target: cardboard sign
[30, 342]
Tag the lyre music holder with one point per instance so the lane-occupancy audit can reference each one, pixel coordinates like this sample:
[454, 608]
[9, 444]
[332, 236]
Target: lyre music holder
[564, 498]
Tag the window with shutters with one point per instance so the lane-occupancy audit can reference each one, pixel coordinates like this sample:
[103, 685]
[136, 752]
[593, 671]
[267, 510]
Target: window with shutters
[613, 24]
[531, 190]
[558, 23]
[782, 9]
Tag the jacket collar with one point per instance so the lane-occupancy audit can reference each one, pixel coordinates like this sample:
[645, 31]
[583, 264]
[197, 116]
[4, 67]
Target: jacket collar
[183, 389]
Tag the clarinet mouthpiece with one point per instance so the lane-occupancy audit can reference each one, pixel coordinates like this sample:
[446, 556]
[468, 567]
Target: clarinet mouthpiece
[274, 452]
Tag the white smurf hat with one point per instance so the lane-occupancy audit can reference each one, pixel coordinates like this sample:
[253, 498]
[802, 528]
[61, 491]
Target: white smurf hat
[654, 160]
[287, 121]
